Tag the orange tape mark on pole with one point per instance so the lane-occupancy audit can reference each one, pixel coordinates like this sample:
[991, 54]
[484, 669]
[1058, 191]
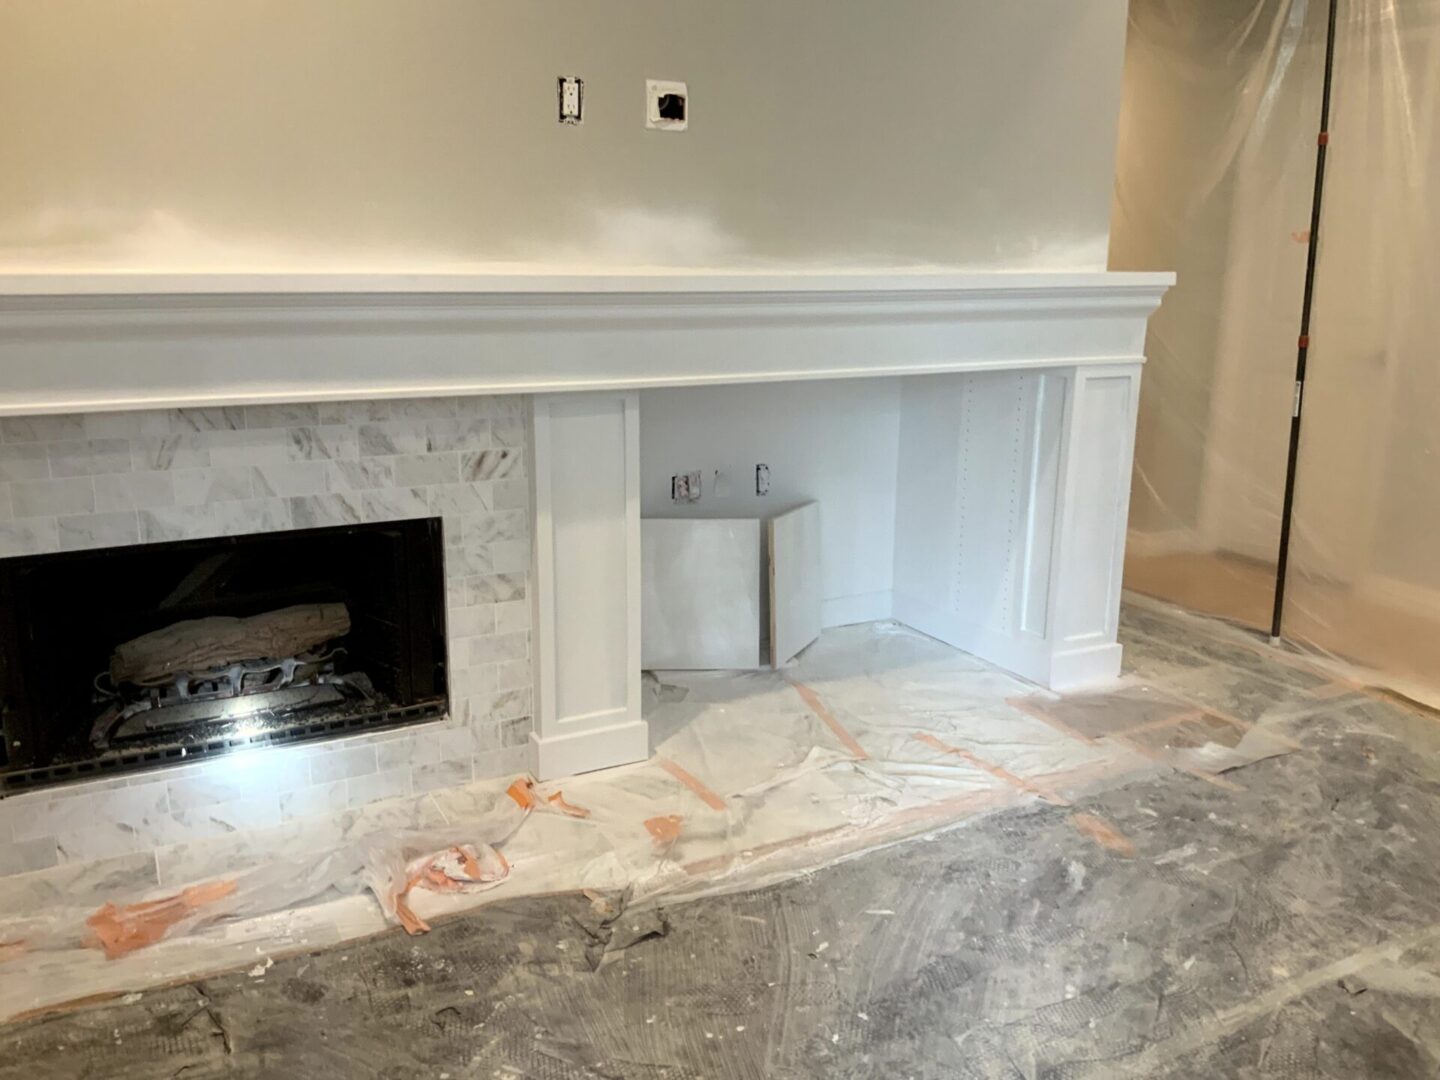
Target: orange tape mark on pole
[818, 708]
[997, 771]
[679, 772]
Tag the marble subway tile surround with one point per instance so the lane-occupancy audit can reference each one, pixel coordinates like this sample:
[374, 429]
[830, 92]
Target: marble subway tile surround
[108, 479]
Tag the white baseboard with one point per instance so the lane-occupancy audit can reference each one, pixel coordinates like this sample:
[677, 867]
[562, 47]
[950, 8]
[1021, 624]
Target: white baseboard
[1154, 543]
[586, 751]
[1401, 595]
[859, 608]
[1026, 657]
[1088, 666]
[1055, 667]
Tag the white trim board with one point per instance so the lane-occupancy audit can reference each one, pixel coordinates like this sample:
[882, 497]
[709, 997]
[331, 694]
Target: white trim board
[96, 343]
[138, 283]
[859, 608]
[1147, 544]
[1418, 600]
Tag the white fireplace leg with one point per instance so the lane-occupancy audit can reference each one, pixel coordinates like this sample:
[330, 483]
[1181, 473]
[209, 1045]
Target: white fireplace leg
[1093, 508]
[1011, 506]
[586, 457]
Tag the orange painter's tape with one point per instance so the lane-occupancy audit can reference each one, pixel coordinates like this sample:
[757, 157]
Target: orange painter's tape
[569, 809]
[664, 831]
[818, 708]
[119, 930]
[679, 772]
[997, 771]
[1103, 833]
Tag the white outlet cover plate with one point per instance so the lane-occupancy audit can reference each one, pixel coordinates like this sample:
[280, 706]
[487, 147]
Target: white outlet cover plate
[572, 96]
[655, 89]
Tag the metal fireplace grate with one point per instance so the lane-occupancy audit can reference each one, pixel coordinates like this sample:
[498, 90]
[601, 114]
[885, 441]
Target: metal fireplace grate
[209, 646]
[122, 762]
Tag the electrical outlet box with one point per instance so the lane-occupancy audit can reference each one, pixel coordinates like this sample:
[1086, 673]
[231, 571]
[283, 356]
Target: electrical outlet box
[762, 479]
[667, 105]
[685, 487]
[571, 93]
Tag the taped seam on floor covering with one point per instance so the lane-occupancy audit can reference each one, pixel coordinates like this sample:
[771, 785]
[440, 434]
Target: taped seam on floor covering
[758, 782]
[818, 708]
[1010, 778]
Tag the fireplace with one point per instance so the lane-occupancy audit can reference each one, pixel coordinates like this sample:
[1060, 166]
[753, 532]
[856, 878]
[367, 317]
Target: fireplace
[510, 408]
[134, 657]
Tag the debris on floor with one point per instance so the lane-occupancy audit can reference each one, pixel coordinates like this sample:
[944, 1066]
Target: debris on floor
[612, 927]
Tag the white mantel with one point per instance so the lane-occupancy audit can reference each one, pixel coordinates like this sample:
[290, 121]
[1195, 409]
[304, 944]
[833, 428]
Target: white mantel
[102, 342]
[136, 283]
[1017, 428]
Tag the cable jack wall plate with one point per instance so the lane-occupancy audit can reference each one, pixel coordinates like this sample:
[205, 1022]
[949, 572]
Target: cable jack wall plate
[685, 487]
[667, 105]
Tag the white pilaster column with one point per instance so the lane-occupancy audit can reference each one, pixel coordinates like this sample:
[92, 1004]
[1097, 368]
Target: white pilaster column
[1011, 505]
[1098, 450]
[586, 576]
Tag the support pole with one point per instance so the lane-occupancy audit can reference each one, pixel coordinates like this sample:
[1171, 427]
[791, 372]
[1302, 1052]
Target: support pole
[1322, 143]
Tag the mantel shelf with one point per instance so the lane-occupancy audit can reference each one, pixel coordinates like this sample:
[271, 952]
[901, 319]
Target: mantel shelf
[69, 287]
[112, 341]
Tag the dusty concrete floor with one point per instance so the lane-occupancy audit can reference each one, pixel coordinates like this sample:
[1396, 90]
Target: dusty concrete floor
[1288, 929]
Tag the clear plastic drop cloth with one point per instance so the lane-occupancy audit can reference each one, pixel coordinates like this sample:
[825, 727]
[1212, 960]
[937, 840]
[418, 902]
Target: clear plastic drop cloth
[1215, 174]
[874, 733]
[1364, 581]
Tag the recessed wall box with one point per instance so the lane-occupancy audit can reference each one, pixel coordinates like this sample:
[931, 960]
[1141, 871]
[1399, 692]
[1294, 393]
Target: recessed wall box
[667, 105]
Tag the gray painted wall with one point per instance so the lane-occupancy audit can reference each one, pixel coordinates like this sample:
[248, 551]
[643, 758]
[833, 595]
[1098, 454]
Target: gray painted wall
[376, 134]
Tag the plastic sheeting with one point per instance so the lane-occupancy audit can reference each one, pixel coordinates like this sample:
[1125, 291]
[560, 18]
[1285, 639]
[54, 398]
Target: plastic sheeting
[389, 863]
[1215, 173]
[874, 733]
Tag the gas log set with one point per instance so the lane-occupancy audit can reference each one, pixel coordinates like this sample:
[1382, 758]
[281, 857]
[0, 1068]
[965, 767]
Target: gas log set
[149, 655]
[227, 670]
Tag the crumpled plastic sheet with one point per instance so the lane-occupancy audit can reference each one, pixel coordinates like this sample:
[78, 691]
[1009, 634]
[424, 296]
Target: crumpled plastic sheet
[383, 861]
[874, 733]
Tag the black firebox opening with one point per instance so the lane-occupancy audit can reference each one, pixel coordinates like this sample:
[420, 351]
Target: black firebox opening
[133, 657]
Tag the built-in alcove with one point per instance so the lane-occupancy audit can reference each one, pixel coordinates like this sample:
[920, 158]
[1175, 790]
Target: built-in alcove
[835, 442]
[940, 499]
[132, 657]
